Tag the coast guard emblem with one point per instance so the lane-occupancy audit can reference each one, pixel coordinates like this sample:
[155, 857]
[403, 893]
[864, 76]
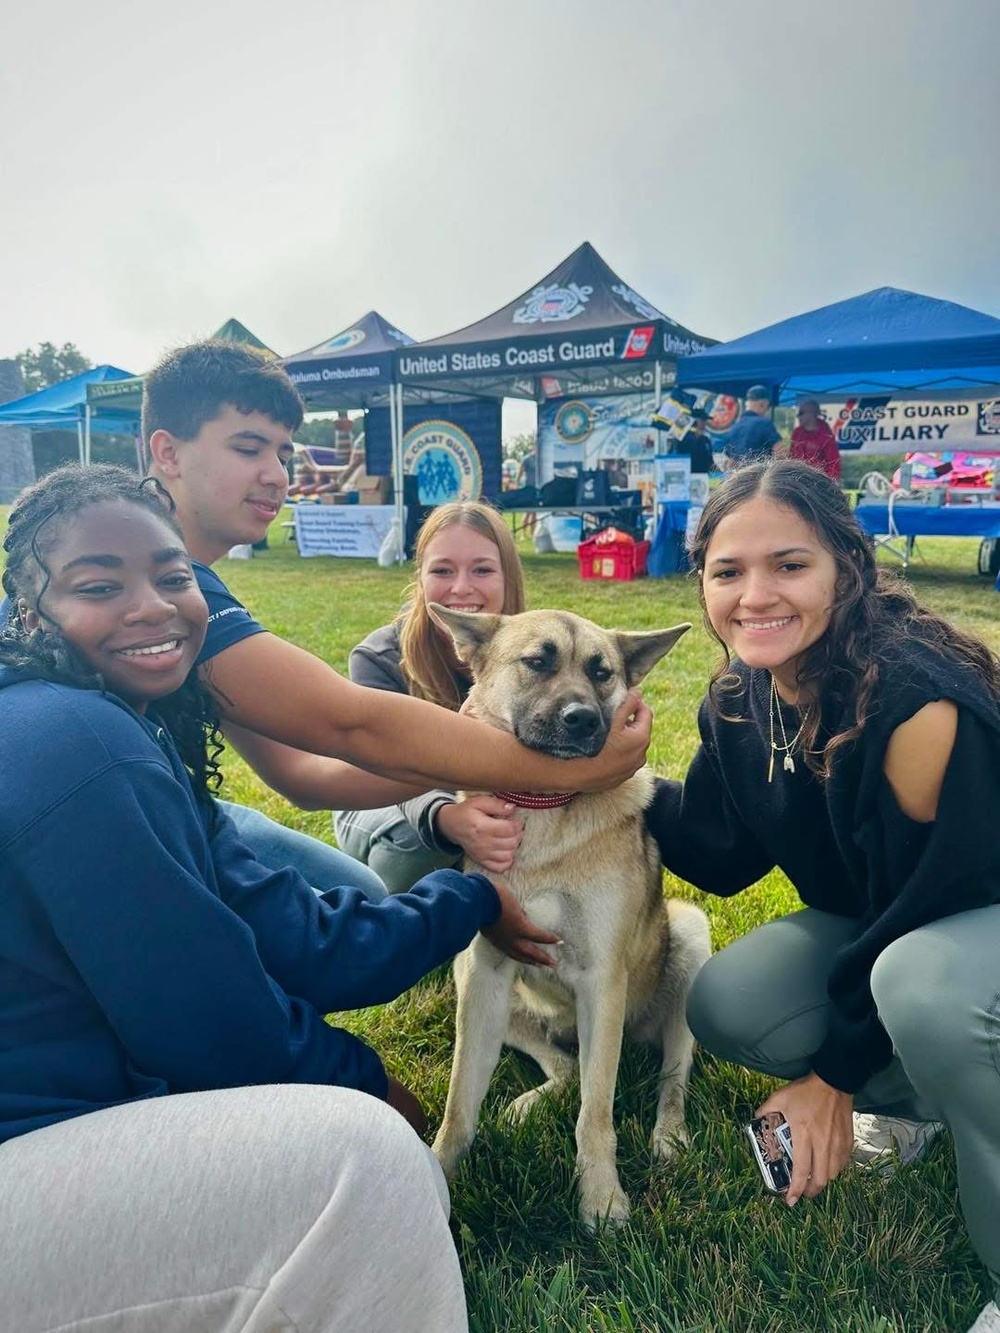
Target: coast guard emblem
[553, 304]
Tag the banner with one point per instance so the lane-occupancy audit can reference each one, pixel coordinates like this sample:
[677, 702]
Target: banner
[453, 448]
[909, 423]
[589, 431]
[345, 530]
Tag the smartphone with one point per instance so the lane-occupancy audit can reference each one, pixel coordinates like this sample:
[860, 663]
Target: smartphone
[771, 1140]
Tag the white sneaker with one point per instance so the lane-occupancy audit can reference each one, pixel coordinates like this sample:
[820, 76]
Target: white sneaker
[988, 1321]
[887, 1141]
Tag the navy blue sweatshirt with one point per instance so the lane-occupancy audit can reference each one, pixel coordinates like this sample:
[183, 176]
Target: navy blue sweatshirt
[144, 951]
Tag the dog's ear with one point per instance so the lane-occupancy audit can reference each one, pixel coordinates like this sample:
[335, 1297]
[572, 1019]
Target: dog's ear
[642, 650]
[471, 630]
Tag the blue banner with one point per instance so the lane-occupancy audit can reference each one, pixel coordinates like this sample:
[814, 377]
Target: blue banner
[453, 448]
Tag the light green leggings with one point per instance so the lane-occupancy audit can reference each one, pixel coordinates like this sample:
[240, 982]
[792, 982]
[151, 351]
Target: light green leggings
[762, 1003]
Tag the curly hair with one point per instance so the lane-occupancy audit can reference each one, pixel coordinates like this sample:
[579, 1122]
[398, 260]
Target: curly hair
[874, 614]
[189, 713]
[424, 652]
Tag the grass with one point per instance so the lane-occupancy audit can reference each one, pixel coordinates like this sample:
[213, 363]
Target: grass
[706, 1248]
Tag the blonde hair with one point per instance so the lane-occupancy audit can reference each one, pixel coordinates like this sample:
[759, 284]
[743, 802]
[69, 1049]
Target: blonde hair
[424, 653]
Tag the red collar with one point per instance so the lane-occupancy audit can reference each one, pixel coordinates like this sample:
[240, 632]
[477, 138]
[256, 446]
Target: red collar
[529, 800]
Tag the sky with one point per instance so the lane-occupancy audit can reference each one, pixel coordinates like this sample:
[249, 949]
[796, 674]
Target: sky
[735, 161]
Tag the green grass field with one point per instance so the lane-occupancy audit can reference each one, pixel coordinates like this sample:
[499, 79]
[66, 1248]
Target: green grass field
[706, 1248]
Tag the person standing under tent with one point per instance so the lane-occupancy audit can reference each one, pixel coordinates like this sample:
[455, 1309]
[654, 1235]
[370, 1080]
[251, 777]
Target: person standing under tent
[754, 434]
[813, 441]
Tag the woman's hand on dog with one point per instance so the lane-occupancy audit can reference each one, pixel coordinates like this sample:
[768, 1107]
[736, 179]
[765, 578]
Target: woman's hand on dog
[401, 1099]
[516, 935]
[482, 826]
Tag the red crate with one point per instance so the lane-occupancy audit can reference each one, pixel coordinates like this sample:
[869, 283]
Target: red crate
[612, 555]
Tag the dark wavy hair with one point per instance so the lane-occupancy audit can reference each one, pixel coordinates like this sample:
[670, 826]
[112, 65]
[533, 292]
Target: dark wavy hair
[874, 616]
[35, 525]
[191, 385]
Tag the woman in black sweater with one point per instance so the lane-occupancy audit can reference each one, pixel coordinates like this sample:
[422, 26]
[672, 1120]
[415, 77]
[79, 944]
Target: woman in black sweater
[852, 739]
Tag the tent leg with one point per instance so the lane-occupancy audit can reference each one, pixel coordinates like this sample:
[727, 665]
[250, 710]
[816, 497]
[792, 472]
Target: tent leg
[86, 434]
[79, 440]
[396, 413]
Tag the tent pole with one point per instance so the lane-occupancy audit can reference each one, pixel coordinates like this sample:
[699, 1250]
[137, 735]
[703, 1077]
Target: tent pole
[79, 438]
[86, 434]
[398, 471]
[657, 385]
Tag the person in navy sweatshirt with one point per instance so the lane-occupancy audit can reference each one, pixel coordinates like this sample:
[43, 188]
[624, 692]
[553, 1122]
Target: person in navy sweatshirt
[166, 1071]
[851, 738]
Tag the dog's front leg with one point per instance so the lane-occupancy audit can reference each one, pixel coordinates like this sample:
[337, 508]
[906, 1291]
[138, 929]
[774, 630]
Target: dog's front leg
[601, 1003]
[484, 981]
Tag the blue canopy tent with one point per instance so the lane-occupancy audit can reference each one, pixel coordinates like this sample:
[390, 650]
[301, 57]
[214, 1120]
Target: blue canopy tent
[64, 406]
[883, 341]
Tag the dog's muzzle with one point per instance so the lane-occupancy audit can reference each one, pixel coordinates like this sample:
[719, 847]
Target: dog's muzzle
[577, 730]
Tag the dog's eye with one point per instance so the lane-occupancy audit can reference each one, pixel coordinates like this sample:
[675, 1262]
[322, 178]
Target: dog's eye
[534, 663]
[601, 674]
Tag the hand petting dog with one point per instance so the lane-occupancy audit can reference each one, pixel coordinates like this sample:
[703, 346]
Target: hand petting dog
[516, 935]
[484, 829]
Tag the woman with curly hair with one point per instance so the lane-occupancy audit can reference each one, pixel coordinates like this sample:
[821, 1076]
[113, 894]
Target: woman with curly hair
[851, 738]
[466, 559]
[222, 1155]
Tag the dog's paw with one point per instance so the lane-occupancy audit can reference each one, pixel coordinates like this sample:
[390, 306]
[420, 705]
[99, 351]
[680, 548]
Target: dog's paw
[449, 1150]
[669, 1140]
[601, 1211]
[521, 1107]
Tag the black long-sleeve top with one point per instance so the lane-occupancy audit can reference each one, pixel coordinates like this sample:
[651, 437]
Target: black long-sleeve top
[844, 843]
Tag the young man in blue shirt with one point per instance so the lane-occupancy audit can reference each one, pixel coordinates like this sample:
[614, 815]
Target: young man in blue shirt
[217, 425]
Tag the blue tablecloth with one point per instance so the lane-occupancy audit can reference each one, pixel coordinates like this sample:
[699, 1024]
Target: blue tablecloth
[668, 552]
[923, 520]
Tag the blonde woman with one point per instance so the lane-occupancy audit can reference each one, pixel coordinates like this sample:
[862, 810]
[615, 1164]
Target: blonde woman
[466, 559]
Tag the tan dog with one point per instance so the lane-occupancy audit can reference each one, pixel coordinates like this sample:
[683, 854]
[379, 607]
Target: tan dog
[588, 871]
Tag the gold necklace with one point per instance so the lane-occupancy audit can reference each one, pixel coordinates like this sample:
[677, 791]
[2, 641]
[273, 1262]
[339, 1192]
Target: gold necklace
[787, 746]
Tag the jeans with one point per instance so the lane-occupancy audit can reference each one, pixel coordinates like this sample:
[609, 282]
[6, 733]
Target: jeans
[319, 864]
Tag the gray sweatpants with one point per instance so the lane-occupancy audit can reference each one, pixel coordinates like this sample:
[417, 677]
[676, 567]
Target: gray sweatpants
[265, 1210]
[386, 842]
[762, 1003]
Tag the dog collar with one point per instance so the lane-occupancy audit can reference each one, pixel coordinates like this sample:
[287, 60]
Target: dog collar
[529, 800]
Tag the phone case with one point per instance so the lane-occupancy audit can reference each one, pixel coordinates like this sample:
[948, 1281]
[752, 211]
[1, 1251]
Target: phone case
[771, 1140]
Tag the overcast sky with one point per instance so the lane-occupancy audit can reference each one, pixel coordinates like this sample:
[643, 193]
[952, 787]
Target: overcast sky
[294, 165]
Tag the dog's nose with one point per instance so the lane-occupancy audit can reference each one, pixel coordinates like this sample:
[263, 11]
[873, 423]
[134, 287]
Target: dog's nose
[580, 721]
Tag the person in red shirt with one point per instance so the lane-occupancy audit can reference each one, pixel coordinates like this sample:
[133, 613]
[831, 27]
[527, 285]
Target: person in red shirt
[813, 441]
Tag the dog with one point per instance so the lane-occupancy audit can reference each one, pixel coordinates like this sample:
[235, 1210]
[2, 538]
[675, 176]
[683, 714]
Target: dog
[588, 871]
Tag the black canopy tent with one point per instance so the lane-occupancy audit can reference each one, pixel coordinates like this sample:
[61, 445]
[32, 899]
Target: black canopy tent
[580, 329]
[357, 369]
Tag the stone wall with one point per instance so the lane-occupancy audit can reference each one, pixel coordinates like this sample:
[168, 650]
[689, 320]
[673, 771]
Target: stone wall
[17, 466]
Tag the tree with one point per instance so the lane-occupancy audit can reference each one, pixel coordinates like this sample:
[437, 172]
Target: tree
[48, 364]
[519, 446]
